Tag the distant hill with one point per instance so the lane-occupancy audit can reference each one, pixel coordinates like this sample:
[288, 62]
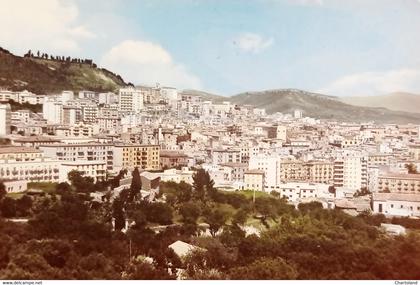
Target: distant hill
[320, 106]
[398, 101]
[206, 95]
[46, 76]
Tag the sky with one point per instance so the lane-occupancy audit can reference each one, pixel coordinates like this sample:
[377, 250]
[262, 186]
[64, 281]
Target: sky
[334, 47]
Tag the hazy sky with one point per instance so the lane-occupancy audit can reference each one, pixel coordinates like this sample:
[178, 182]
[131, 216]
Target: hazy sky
[338, 47]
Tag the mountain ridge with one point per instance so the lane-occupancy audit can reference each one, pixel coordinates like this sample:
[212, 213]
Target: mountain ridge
[316, 105]
[397, 101]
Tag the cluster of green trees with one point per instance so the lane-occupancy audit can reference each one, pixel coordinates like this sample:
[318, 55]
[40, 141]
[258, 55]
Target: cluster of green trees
[70, 237]
[42, 55]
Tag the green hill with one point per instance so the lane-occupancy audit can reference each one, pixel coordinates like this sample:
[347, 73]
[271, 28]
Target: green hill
[46, 76]
[320, 106]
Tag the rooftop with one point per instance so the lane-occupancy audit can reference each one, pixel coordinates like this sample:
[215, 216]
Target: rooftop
[400, 176]
[396, 197]
[254, 171]
[18, 149]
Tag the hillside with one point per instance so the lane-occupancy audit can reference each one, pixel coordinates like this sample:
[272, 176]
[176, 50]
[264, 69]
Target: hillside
[206, 95]
[320, 106]
[398, 101]
[46, 76]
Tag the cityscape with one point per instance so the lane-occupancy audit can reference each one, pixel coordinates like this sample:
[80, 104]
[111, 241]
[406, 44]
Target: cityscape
[105, 179]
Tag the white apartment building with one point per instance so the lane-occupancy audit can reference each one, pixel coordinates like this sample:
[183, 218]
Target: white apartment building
[16, 186]
[399, 183]
[20, 116]
[220, 156]
[373, 178]
[26, 163]
[66, 96]
[298, 114]
[254, 180]
[351, 172]
[130, 100]
[281, 132]
[6, 95]
[5, 119]
[294, 191]
[90, 113]
[177, 176]
[86, 152]
[29, 97]
[19, 153]
[270, 165]
[169, 93]
[78, 130]
[396, 204]
[94, 169]
[52, 111]
[107, 98]
[70, 115]
[35, 170]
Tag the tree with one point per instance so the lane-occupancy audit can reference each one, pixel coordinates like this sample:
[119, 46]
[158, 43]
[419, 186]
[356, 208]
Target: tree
[62, 187]
[308, 207]
[190, 212]
[116, 180]
[362, 192]
[232, 235]
[183, 192]
[81, 183]
[266, 208]
[23, 205]
[3, 191]
[216, 218]
[118, 214]
[160, 213]
[203, 185]
[144, 270]
[265, 269]
[135, 186]
[8, 207]
[412, 169]
[240, 217]
[275, 194]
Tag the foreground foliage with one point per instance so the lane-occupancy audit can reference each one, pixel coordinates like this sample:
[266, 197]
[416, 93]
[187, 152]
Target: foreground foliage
[68, 236]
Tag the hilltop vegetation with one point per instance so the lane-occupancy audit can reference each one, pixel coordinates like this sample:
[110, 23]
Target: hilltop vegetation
[47, 74]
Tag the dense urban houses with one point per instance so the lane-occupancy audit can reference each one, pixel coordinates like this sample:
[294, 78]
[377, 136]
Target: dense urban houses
[169, 134]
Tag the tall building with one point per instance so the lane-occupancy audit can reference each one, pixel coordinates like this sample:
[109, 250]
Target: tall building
[52, 111]
[314, 171]
[399, 183]
[270, 165]
[254, 180]
[5, 119]
[77, 152]
[298, 114]
[23, 163]
[351, 172]
[130, 100]
[129, 156]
